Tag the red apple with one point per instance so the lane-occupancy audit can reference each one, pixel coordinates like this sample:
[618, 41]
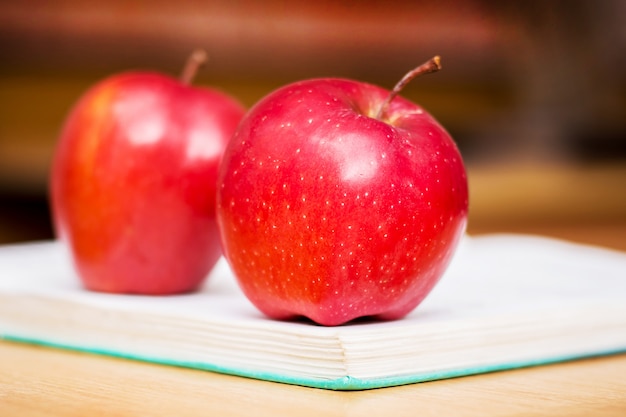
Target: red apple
[338, 199]
[133, 182]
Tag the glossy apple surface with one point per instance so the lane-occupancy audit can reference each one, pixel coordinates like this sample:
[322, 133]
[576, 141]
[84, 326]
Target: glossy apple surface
[133, 182]
[328, 212]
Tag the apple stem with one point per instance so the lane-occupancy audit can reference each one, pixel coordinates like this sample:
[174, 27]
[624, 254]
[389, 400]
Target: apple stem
[197, 59]
[432, 65]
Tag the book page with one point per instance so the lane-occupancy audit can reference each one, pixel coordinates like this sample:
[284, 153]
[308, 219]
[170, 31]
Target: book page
[488, 274]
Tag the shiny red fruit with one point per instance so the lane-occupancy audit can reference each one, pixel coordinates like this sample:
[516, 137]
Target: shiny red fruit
[328, 211]
[134, 180]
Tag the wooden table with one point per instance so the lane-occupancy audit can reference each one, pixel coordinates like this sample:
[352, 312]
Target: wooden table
[37, 381]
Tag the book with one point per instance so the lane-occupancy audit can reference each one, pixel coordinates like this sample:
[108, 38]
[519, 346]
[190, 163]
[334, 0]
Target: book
[506, 301]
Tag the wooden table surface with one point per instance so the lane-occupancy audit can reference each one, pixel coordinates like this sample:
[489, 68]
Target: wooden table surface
[37, 381]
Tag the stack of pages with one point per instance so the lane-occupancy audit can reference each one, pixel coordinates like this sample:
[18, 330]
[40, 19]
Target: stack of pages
[507, 301]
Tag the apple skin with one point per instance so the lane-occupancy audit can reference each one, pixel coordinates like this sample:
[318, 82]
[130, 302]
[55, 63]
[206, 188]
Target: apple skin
[133, 182]
[328, 213]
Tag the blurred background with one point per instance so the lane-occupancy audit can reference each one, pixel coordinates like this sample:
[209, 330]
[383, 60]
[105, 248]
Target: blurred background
[534, 92]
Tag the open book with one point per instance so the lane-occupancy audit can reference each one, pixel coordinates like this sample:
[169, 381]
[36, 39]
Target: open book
[506, 301]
